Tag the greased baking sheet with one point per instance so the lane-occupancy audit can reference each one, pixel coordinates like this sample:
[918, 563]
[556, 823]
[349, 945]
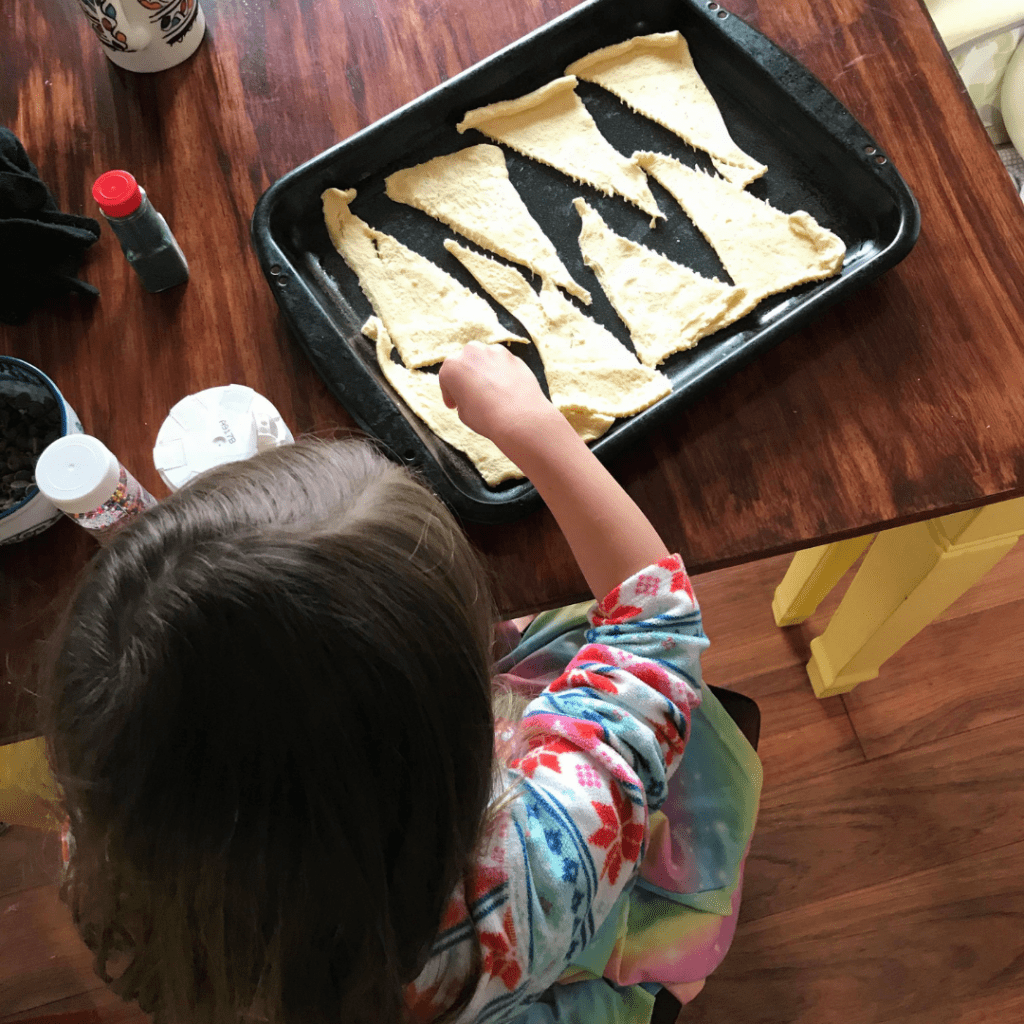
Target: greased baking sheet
[819, 160]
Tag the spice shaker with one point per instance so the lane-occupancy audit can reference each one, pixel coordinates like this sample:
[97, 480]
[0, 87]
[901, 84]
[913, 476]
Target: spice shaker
[85, 480]
[145, 238]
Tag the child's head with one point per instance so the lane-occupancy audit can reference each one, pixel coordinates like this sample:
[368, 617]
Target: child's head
[271, 718]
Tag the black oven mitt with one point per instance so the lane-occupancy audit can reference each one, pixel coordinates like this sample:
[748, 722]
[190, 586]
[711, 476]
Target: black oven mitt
[41, 248]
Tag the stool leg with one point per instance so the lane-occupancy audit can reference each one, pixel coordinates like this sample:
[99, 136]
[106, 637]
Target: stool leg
[909, 576]
[28, 792]
[811, 575]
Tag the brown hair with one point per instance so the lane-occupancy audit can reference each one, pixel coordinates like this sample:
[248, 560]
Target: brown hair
[270, 714]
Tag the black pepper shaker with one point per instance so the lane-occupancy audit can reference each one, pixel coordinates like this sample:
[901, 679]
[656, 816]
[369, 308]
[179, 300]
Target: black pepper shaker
[146, 239]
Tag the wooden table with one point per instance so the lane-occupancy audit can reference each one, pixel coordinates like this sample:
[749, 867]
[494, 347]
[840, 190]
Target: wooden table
[904, 403]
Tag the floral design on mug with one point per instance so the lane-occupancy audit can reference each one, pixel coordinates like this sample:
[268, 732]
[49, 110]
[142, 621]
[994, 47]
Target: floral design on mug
[103, 19]
[174, 17]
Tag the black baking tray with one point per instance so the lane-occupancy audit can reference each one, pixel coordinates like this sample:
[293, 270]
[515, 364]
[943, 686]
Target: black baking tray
[819, 158]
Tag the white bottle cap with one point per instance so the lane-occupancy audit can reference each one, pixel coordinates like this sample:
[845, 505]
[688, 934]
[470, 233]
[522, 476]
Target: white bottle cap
[212, 427]
[78, 473]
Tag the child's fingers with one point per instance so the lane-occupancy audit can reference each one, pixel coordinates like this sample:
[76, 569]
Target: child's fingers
[491, 388]
[463, 371]
[445, 396]
[448, 378]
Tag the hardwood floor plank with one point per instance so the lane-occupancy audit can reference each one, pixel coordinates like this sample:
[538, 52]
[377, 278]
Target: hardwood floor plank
[42, 958]
[954, 677]
[28, 857]
[955, 798]
[801, 737]
[737, 607]
[100, 1006]
[928, 947]
[1003, 1009]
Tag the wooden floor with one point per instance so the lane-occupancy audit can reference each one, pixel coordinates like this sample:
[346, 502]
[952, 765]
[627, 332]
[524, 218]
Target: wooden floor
[886, 879]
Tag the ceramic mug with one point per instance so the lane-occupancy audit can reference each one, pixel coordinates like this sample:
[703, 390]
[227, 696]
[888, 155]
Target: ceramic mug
[146, 35]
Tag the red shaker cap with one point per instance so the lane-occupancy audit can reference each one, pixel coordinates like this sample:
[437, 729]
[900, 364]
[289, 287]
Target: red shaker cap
[117, 193]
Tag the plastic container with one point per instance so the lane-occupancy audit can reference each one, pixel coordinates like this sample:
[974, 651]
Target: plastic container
[212, 427]
[19, 380]
[85, 480]
[145, 238]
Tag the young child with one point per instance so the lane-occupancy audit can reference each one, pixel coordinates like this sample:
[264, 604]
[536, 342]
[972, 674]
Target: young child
[272, 719]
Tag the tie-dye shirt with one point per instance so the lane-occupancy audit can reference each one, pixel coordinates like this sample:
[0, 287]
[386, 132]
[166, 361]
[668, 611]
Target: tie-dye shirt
[600, 746]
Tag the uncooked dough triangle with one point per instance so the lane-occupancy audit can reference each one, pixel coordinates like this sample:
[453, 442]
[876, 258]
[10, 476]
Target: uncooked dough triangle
[763, 249]
[427, 312]
[655, 76]
[666, 306]
[421, 391]
[470, 192]
[586, 366]
[551, 125]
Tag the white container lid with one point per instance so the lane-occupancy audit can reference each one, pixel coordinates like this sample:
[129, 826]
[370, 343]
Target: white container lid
[78, 473]
[213, 427]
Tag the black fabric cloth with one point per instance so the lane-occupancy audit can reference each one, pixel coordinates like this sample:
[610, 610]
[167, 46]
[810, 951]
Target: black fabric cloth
[41, 248]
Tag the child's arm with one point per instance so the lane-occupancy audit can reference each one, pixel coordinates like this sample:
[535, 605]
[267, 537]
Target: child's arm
[600, 744]
[498, 396]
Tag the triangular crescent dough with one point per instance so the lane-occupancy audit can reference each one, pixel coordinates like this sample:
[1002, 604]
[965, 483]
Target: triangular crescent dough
[588, 424]
[428, 313]
[586, 366]
[666, 306]
[655, 76]
[763, 249]
[551, 125]
[471, 193]
[422, 393]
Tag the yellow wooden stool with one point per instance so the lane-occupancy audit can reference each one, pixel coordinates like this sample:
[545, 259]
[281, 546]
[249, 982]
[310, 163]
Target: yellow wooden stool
[909, 576]
[28, 792]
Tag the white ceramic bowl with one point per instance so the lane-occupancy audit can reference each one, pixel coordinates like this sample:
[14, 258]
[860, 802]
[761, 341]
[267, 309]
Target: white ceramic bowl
[33, 513]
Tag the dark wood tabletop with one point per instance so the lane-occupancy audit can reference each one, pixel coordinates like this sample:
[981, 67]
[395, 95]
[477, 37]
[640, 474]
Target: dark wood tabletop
[904, 402]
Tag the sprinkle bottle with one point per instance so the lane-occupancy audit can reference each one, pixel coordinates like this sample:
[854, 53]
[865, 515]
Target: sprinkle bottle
[145, 238]
[85, 480]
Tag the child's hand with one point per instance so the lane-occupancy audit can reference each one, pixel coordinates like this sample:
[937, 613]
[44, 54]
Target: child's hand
[498, 396]
[495, 392]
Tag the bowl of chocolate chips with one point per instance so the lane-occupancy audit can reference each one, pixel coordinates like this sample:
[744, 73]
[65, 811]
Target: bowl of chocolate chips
[32, 414]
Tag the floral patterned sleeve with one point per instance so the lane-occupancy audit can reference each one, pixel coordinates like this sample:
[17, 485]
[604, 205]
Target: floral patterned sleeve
[601, 743]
